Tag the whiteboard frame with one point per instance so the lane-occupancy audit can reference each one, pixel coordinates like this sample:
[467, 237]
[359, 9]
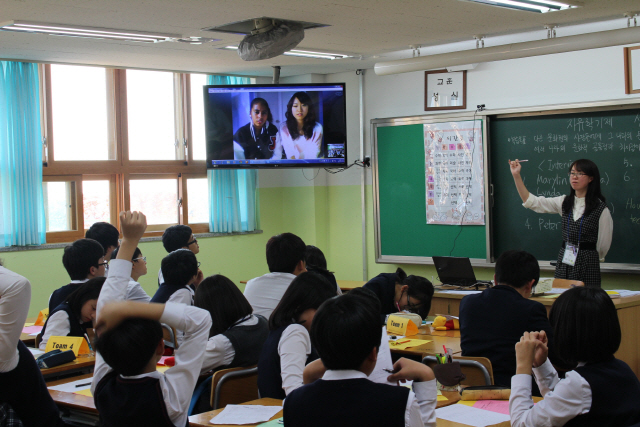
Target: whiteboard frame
[486, 116]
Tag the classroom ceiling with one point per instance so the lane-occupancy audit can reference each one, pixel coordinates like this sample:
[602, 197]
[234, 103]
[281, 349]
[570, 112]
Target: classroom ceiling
[371, 30]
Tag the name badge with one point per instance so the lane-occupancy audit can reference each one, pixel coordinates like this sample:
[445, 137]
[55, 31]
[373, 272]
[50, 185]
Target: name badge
[77, 344]
[570, 254]
[401, 326]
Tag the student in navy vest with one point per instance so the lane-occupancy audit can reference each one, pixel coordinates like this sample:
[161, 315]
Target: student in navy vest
[346, 333]
[126, 387]
[600, 391]
[108, 237]
[288, 348]
[74, 316]
[22, 387]
[587, 226]
[178, 237]
[317, 263]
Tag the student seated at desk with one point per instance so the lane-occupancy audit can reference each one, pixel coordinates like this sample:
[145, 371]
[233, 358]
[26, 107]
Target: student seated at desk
[178, 237]
[346, 333]
[399, 292]
[492, 322]
[316, 262]
[600, 391]
[74, 316]
[127, 389]
[288, 348]
[108, 237]
[83, 260]
[21, 384]
[138, 269]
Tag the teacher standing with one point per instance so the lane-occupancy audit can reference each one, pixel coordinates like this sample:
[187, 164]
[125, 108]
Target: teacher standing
[587, 226]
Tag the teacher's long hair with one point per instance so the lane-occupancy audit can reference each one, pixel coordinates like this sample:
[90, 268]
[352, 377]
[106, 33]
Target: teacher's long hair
[309, 121]
[594, 195]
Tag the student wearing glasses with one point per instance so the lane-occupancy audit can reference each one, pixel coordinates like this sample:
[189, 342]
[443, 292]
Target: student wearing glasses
[138, 269]
[587, 226]
[399, 292]
[178, 237]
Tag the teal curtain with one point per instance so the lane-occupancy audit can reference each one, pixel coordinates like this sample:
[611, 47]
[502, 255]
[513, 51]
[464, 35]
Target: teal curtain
[22, 220]
[233, 203]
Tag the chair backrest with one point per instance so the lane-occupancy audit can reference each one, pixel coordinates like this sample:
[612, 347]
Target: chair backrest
[169, 335]
[233, 386]
[566, 283]
[478, 370]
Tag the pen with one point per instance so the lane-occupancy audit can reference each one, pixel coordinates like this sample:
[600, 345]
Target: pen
[88, 341]
[402, 342]
[82, 385]
[522, 161]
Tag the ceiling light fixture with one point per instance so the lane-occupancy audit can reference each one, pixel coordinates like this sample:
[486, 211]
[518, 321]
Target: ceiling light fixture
[538, 6]
[512, 51]
[305, 53]
[86, 32]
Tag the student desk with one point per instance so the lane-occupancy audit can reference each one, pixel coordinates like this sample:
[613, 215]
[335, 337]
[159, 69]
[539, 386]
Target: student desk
[28, 340]
[83, 364]
[347, 285]
[450, 339]
[78, 402]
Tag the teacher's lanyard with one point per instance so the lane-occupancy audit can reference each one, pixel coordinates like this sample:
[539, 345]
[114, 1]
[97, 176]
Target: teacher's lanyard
[579, 230]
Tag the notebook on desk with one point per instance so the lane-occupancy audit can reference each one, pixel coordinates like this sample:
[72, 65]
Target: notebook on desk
[454, 271]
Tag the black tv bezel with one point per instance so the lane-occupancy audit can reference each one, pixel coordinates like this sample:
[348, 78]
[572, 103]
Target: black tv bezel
[341, 165]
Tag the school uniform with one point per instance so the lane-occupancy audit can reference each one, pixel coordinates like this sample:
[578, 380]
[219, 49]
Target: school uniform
[384, 286]
[62, 322]
[595, 394]
[136, 293]
[21, 384]
[259, 145]
[153, 398]
[265, 292]
[60, 295]
[282, 360]
[347, 398]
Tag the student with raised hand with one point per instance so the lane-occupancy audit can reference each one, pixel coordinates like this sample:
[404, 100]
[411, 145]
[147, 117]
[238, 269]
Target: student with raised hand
[138, 269]
[127, 389]
[600, 391]
[21, 384]
[346, 334]
[178, 237]
[74, 316]
[83, 259]
[288, 348]
[399, 292]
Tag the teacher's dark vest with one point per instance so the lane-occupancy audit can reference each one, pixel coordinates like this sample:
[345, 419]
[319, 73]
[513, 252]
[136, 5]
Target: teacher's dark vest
[269, 378]
[131, 402]
[77, 329]
[352, 402]
[247, 342]
[587, 266]
[615, 395]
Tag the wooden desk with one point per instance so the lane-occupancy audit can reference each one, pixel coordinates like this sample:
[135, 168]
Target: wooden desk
[72, 400]
[347, 285]
[432, 348]
[83, 364]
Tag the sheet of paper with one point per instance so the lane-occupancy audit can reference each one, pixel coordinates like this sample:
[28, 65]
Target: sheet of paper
[245, 414]
[470, 416]
[74, 386]
[558, 290]
[29, 324]
[626, 293]
[162, 368]
[499, 406]
[31, 329]
[397, 337]
[460, 292]
[34, 334]
[409, 343]
[278, 422]
[85, 392]
[35, 351]
[379, 375]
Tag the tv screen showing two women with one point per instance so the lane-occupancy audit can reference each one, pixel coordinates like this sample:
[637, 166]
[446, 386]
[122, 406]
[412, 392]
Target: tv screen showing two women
[275, 125]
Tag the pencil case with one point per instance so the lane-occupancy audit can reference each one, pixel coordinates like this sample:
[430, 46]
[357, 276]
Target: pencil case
[449, 374]
[486, 392]
[55, 358]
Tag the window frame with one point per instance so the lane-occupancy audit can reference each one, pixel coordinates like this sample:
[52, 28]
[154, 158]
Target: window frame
[77, 210]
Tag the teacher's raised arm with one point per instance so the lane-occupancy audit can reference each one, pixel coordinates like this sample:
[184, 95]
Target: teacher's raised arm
[515, 167]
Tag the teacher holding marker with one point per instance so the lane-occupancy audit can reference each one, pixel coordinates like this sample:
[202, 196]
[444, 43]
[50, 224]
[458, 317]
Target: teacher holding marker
[587, 226]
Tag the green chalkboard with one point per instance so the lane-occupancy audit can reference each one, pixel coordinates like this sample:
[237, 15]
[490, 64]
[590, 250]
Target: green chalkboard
[551, 143]
[402, 229]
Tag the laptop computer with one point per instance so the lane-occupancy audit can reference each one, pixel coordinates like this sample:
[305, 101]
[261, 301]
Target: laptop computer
[454, 271]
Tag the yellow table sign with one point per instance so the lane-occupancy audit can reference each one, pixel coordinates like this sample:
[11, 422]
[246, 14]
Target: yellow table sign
[77, 344]
[401, 326]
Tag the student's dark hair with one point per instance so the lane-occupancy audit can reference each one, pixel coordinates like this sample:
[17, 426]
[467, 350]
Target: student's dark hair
[308, 123]
[594, 195]
[136, 253]
[85, 292]
[179, 267]
[80, 256]
[517, 268]
[314, 257]
[176, 237]
[128, 347]
[351, 322]
[284, 252]
[400, 275]
[308, 290]
[224, 302]
[421, 289]
[264, 104]
[104, 233]
[579, 315]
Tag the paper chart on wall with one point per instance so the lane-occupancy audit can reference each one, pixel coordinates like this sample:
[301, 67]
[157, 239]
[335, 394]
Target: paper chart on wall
[454, 173]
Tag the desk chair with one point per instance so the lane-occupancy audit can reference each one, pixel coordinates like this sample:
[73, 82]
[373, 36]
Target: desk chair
[228, 386]
[566, 283]
[478, 370]
[169, 335]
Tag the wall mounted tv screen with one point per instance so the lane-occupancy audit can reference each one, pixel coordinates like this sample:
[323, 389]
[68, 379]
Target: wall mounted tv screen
[274, 126]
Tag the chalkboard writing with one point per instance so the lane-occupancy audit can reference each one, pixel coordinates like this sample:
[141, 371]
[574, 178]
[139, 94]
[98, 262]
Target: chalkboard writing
[550, 144]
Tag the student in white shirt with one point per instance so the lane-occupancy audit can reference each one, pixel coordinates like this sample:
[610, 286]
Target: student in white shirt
[138, 269]
[126, 387]
[288, 348]
[601, 390]
[178, 237]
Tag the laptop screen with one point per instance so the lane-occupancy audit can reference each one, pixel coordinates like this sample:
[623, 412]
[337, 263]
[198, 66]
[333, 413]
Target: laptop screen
[454, 270]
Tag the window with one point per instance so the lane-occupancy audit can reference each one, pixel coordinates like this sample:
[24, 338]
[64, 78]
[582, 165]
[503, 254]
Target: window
[117, 140]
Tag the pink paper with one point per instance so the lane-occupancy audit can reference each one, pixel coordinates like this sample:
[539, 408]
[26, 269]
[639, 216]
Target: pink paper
[162, 359]
[499, 406]
[31, 329]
